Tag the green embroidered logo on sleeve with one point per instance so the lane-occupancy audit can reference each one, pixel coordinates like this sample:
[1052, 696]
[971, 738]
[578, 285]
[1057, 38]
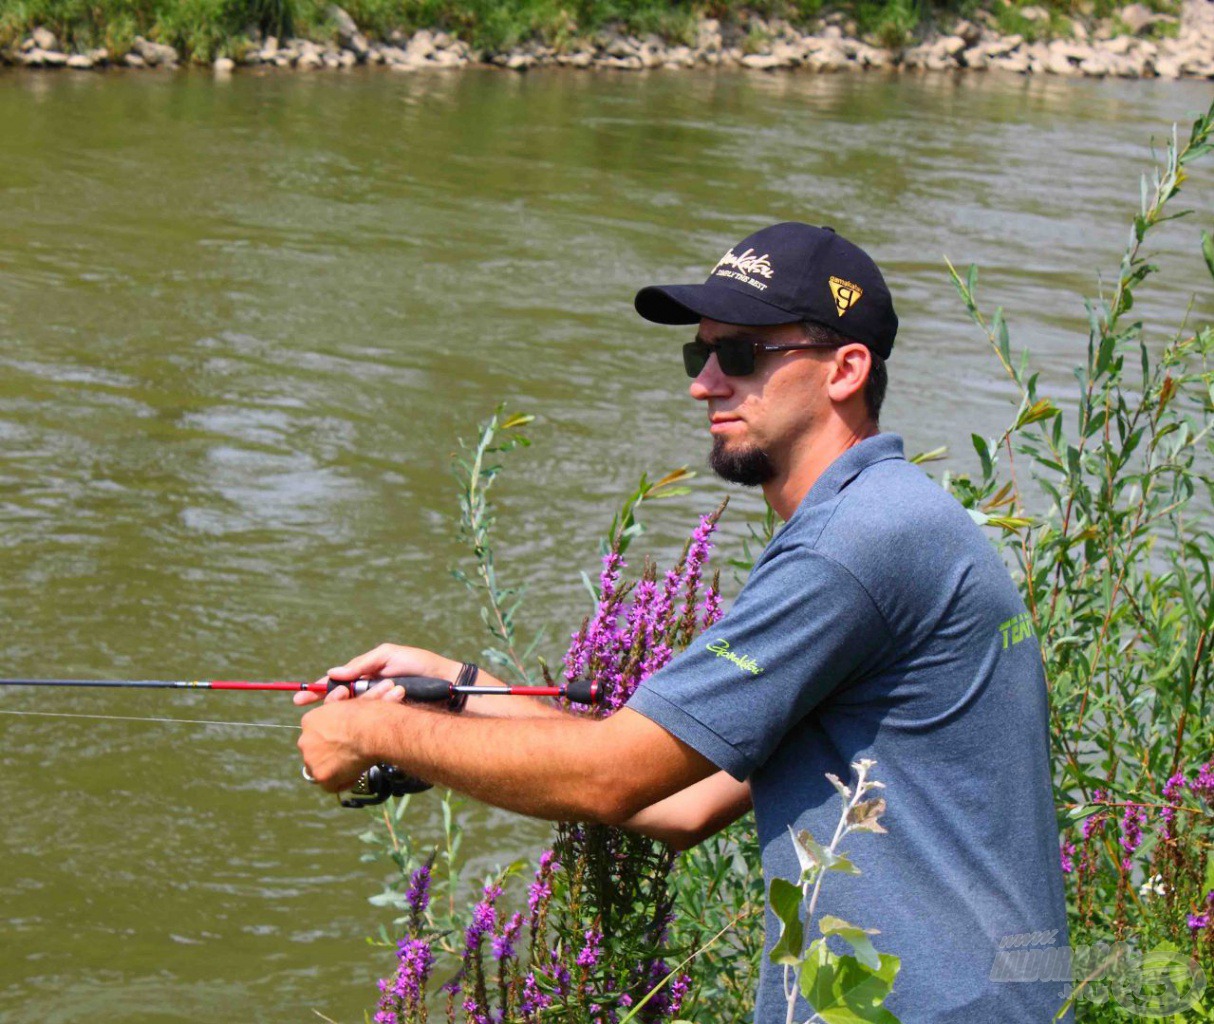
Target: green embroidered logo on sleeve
[745, 662]
[1016, 629]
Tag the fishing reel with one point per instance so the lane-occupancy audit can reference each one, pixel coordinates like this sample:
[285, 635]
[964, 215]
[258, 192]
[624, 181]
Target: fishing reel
[381, 781]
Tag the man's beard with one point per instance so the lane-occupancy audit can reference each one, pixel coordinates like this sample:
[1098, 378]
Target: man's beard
[747, 466]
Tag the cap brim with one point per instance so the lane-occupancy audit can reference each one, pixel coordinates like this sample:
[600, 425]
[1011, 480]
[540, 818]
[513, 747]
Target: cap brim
[689, 303]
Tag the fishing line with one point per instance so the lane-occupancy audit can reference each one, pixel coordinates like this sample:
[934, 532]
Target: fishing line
[128, 718]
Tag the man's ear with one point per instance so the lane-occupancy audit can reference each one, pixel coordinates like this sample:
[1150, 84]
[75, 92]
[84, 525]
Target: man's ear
[851, 368]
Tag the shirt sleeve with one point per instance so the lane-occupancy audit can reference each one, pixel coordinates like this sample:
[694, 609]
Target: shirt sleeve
[802, 627]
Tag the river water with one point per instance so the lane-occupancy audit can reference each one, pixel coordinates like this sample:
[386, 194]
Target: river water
[242, 325]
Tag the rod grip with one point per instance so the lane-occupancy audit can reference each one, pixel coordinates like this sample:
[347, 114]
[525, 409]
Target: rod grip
[422, 689]
[584, 691]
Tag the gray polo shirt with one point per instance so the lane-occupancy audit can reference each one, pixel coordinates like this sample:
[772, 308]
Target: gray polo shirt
[880, 623]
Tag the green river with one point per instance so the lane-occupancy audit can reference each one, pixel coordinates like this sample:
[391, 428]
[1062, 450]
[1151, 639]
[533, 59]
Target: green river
[243, 323]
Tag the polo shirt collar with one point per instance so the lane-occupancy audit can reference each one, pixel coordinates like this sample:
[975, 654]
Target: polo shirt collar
[851, 463]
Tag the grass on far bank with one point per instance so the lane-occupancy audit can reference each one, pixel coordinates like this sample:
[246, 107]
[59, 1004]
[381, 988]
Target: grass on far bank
[204, 29]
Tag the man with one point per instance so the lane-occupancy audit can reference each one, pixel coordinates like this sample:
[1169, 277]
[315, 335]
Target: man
[879, 623]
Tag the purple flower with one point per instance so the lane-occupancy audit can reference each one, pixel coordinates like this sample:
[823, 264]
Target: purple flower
[678, 992]
[418, 895]
[1131, 827]
[503, 944]
[592, 952]
[539, 892]
[1090, 825]
[484, 917]
[1203, 785]
[474, 1013]
[1198, 921]
[416, 959]
[1171, 790]
[533, 999]
[1067, 854]
[560, 973]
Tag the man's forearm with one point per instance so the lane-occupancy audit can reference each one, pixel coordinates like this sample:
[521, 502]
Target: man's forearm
[693, 814]
[589, 769]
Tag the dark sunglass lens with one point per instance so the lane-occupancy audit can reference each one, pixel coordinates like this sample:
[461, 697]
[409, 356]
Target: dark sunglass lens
[736, 358]
[695, 356]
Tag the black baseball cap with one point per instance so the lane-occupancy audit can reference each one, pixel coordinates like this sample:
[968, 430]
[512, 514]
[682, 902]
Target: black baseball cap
[781, 275]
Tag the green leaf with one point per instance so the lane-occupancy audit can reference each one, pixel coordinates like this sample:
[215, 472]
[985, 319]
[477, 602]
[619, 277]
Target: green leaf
[843, 991]
[982, 447]
[1040, 410]
[785, 901]
[935, 455]
[1207, 250]
[854, 936]
[841, 863]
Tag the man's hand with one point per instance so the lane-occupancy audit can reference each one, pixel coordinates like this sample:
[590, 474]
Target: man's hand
[336, 736]
[385, 661]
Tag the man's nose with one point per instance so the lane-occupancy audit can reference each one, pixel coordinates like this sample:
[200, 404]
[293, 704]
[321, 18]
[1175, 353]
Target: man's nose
[710, 382]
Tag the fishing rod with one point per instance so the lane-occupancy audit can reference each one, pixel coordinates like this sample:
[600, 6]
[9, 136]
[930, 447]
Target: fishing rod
[380, 781]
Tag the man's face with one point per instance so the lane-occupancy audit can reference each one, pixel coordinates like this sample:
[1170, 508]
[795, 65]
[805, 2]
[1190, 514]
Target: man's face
[758, 421]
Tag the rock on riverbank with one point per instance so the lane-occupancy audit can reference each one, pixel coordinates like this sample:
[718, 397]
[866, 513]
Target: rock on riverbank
[1095, 50]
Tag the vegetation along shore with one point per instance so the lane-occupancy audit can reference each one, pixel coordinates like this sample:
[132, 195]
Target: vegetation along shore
[1094, 38]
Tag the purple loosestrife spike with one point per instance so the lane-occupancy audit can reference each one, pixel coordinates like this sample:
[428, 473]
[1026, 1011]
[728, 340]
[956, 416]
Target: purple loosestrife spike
[416, 960]
[1203, 785]
[1173, 788]
[474, 1013]
[484, 917]
[678, 992]
[1092, 825]
[534, 999]
[1198, 921]
[560, 973]
[503, 944]
[592, 952]
[1067, 856]
[418, 895]
[1131, 827]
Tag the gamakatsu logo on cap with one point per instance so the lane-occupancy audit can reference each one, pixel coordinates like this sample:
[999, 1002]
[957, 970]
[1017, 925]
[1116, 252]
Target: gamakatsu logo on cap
[846, 294]
[745, 268]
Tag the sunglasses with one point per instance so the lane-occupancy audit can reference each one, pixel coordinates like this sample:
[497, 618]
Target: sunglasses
[735, 356]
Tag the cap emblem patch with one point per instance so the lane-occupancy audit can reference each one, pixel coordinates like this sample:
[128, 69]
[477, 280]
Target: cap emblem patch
[746, 268]
[846, 294]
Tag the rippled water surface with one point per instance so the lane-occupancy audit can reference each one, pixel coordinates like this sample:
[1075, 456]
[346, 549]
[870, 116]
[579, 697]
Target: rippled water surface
[242, 325]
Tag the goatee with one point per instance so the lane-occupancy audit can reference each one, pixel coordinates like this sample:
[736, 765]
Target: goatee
[747, 466]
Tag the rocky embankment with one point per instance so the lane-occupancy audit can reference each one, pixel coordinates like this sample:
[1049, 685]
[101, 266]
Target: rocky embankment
[1137, 44]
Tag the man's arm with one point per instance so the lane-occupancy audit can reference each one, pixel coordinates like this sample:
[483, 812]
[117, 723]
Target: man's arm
[564, 768]
[693, 814]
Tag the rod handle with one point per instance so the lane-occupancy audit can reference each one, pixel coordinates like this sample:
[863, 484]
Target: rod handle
[584, 691]
[417, 688]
